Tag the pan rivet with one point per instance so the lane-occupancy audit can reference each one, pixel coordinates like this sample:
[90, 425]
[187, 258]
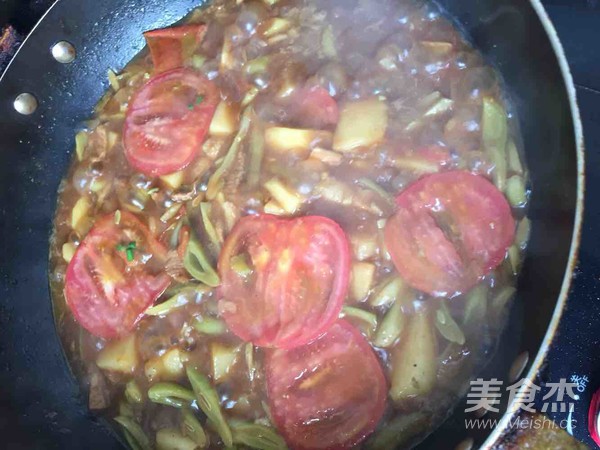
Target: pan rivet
[518, 366]
[63, 52]
[467, 444]
[25, 104]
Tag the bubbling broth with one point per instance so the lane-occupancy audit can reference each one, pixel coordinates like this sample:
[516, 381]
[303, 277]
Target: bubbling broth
[290, 223]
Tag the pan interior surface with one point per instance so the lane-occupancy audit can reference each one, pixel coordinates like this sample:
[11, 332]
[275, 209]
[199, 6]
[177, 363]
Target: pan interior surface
[35, 154]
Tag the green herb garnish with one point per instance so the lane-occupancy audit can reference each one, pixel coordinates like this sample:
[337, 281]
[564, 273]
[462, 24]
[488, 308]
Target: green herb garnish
[199, 99]
[128, 249]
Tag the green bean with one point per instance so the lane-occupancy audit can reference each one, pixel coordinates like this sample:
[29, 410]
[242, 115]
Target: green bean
[205, 210]
[516, 192]
[503, 297]
[192, 428]
[170, 394]
[172, 439]
[372, 186]
[131, 440]
[135, 431]
[164, 308]
[514, 159]
[133, 393]
[125, 409]
[215, 183]
[495, 135]
[249, 355]
[388, 292]
[514, 258]
[328, 42]
[208, 401]
[196, 263]
[399, 432]
[368, 317]
[171, 212]
[210, 326]
[523, 231]
[256, 436]
[476, 305]
[257, 65]
[447, 326]
[391, 327]
[257, 151]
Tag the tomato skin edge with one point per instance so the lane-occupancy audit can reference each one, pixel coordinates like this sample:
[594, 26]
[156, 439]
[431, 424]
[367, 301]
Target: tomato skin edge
[379, 409]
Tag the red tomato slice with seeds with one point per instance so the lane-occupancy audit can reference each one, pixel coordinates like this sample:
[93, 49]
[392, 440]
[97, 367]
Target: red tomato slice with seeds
[329, 394]
[115, 275]
[167, 121]
[450, 230]
[170, 47]
[283, 281]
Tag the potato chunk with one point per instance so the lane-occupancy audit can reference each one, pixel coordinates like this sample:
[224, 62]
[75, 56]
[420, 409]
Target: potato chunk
[119, 356]
[362, 124]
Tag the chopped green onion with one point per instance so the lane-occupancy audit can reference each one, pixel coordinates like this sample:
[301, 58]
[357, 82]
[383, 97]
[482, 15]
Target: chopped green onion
[208, 401]
[128, 249]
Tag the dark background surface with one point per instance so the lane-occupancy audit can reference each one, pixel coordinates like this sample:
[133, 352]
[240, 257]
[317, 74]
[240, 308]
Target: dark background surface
[577, 349]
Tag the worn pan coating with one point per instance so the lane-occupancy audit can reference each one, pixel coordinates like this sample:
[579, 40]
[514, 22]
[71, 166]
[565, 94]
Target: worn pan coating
[40, 403]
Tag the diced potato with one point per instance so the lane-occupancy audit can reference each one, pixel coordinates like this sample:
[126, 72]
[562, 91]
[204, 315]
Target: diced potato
[81, 140]
[327, 156]
[295, 139]
[172, 439]
[168, 366]
[274, 26]
[272, 207]
[414, 366]
[364, 246]
[437, 48]
[287, 198]
[80, 215]
[173, 180]
[361, 279]
[68, 251]
[223, 359]
[119, 356]
[362, 124]
[225, 120]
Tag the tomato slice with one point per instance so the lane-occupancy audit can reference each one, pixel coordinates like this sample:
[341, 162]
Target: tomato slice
[450, 230]
[170, 47]
[293, 280]
[316, 106]
[328, 394]
[167, 121]
[115, 275]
